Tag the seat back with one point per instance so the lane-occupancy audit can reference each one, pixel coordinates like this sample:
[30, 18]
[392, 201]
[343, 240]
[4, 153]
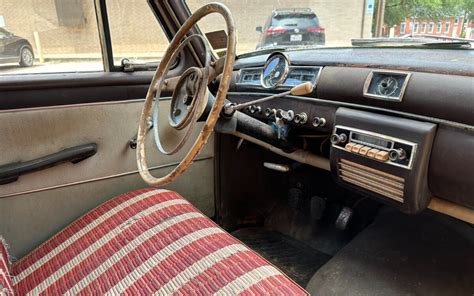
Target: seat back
[6, 283]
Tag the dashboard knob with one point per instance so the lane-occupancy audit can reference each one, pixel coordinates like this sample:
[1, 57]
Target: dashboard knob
[255, 109]
[338, 139]
[269, 112]
[301, 118]
[397, 154]
[319, 121]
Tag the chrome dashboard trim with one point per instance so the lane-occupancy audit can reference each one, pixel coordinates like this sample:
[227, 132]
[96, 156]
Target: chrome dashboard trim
[281, 86]
[285, 73]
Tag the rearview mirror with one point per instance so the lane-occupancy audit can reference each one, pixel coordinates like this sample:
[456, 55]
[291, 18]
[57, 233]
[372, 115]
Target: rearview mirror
[259, 29]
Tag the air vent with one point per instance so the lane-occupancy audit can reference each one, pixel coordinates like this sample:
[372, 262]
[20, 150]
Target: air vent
[250, 76]
[382, 183]
[298, 75]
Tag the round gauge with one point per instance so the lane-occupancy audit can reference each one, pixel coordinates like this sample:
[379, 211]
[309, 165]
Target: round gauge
[275, 71]
[387, 86]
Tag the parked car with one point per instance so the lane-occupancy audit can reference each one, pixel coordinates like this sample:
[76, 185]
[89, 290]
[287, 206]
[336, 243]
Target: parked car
[15, 49]
[291, 27]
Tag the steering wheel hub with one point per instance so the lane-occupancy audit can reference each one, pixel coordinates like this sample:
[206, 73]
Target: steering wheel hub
[186, 95]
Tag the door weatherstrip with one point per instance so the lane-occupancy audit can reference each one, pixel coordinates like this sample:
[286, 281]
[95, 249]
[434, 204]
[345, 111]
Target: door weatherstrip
[97, 179]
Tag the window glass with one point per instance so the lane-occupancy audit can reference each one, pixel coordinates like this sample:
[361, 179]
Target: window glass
[446, 27]
[135, 31]
[290, 24]
[48, 37]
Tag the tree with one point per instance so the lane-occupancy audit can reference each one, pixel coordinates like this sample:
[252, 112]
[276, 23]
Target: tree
[396, 11]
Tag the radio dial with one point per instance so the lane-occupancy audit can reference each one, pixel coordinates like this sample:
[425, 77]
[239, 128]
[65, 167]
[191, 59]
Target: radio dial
[338, 139]
[397, 154]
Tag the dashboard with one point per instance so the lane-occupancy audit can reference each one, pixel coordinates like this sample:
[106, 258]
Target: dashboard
[401, 126]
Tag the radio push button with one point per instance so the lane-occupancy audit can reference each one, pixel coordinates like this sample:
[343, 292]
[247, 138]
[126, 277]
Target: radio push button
[356, 148]
[382, 155]
[349, 146]
[372, 152]
[364, 150]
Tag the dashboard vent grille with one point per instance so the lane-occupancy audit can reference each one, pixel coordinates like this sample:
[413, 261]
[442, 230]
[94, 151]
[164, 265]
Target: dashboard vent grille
[250, 76]
[296, 75]
[380, 182]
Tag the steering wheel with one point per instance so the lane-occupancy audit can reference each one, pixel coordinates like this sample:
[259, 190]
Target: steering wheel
[189, 96]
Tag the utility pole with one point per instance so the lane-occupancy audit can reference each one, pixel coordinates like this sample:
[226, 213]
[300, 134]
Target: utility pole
[379, 22]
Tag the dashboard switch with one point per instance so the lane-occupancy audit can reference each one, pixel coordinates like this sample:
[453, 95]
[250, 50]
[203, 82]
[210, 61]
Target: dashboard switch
[269, 112]
[301, 118]
[319, 121]
[382, 155]
[349, 146]
[364, 150]
[356, 148]
[372, 152]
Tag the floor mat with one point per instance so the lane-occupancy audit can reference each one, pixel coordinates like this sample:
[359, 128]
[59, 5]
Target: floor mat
[425, 254]
[294, 258]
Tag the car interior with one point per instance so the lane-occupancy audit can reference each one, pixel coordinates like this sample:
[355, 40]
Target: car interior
[279, 171]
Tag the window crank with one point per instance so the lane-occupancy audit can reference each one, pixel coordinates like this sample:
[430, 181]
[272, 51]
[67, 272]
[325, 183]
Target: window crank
[133, 141]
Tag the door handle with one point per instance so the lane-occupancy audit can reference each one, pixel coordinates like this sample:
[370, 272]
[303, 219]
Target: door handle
[11, 172]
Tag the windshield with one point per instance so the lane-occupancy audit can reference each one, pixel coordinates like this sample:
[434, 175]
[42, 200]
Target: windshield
[267, 24]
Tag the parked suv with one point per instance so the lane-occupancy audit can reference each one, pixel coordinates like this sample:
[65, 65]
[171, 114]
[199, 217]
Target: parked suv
[289, 27]
[15, 49]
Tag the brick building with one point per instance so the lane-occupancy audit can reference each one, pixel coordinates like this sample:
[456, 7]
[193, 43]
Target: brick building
[448, 27]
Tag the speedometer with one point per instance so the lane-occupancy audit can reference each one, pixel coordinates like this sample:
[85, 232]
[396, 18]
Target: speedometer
[275, 71]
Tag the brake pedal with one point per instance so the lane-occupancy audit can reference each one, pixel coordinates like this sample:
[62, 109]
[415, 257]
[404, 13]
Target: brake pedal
[344, 218]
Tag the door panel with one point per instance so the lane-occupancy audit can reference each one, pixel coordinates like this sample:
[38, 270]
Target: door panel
[41, 203]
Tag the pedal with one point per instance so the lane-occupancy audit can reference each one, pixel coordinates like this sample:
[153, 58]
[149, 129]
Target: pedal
[295, 198]
[318, 205]
[344, 218]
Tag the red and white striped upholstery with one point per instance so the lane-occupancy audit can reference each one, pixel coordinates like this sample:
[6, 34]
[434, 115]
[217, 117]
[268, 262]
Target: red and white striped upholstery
[6, 284]
[149, 241]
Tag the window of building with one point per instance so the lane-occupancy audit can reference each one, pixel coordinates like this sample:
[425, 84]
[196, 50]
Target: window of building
[415, 28]
[142, 39]
[438, 27]
[49, 37]
[456, 20]
[423, 28]
[431, 27]
[402, 28]
[446, 27]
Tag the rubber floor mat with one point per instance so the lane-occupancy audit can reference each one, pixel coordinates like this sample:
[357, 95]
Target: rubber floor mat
[294, 258]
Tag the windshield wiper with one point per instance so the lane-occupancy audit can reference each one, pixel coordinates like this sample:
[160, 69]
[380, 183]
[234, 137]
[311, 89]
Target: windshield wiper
[410, 42]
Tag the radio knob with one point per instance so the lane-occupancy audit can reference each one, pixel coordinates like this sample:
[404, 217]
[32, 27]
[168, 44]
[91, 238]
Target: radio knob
[397, 154]
[338, 139]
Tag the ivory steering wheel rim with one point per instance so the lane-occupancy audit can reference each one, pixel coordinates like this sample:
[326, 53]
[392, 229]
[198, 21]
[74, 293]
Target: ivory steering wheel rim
[157, 83]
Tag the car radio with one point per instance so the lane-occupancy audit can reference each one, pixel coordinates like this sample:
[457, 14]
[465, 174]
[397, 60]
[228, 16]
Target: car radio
[383, 157]
[375, 146]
